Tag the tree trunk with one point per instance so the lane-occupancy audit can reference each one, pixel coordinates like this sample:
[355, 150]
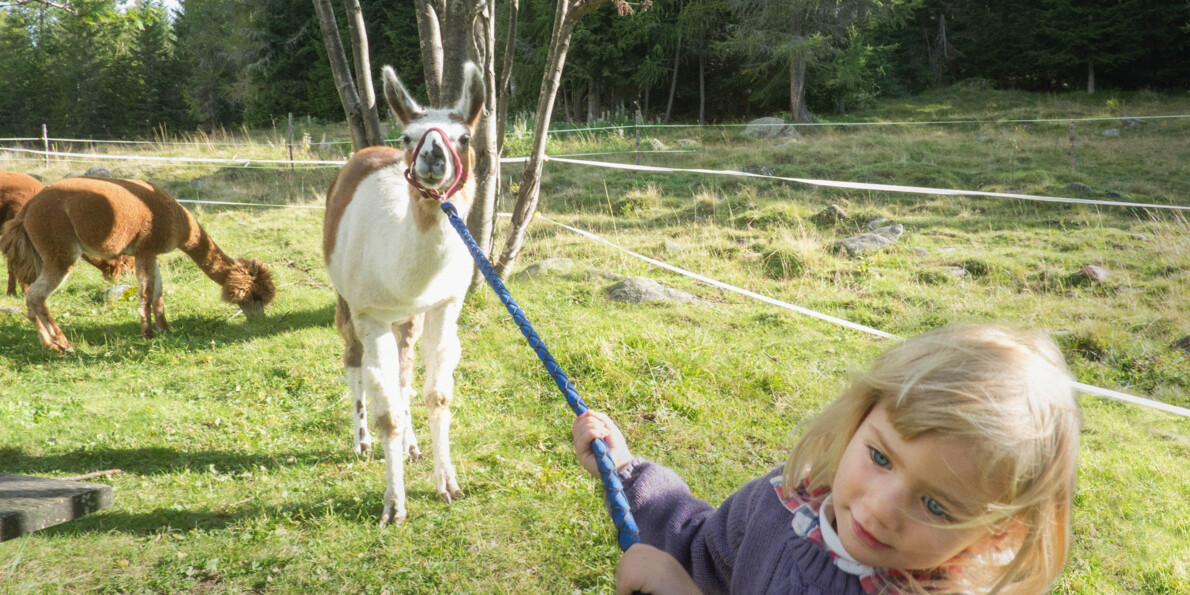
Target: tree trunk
[430, 34]
[458, 26]
[593, 107]
[482, 218]
[797, 91]
[565, 18]
[1090, 77]
[673, 82]
[702, 90]
[505, 88]
[342, 73]
[363, 73]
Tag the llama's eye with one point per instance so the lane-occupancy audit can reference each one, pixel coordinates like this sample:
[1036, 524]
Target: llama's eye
[463, 140]
[405, 140]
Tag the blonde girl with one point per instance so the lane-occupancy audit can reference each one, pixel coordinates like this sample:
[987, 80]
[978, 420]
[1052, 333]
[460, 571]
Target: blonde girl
[947, 467]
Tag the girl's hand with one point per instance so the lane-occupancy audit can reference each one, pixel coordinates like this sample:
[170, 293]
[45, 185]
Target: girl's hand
[592, 425]
[646, 569]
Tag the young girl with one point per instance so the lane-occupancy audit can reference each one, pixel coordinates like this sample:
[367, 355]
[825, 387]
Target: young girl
[948, 467]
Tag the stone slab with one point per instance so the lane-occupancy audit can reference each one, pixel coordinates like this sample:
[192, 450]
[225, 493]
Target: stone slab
[30, 504]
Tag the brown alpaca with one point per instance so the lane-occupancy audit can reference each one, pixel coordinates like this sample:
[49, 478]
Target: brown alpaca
[15, 190]
[106, 218]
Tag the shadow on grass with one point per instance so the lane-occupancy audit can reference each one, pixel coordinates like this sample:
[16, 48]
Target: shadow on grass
[157, 461]
[187, 334]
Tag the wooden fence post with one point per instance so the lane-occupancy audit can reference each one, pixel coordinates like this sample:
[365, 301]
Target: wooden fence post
[291, 141]
[637, 133]
[1072, 162]
[45, 142]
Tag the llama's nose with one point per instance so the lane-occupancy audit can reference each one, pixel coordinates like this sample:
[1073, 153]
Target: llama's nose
[437, 160]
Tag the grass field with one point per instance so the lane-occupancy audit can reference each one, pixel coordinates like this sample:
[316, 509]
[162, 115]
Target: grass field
[233, 436]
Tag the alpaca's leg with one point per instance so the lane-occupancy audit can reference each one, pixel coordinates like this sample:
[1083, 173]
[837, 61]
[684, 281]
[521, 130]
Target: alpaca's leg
[352, 356]
[148, 276]
[386, 410]
[408, 333]
[12, 283]
[53, 275]
[441, 352]
[159, 302]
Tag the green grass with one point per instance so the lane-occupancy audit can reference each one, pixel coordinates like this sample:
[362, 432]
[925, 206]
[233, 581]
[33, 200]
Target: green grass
[234, 439]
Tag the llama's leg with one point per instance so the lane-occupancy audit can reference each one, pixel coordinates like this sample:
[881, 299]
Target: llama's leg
[148, 277]
[352, 357]
[441, 352]
[408, 333]
[12, 283]
[385, 407]
[53, 275]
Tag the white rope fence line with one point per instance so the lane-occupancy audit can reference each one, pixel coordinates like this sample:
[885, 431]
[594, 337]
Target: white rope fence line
[867, 186]
[631, 127]
[1103, 392]
[249, 204]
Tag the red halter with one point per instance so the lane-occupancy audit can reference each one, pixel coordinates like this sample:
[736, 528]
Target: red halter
[460, 176]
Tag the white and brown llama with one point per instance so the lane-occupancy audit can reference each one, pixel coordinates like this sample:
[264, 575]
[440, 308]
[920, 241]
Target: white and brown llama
[401, 271]
[107, 218]
[15, 190]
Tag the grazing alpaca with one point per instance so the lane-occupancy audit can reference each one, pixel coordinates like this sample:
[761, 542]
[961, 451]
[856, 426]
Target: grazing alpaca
[106, 218]
[398, 266]
[15, 190]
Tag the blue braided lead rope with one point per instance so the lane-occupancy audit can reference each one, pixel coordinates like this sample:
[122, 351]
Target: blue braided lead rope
[613, 490]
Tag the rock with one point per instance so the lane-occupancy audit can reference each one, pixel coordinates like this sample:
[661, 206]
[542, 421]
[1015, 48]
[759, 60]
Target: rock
[671, 246]
[921, 251]
[549, 266]
[114, 293]
[1078, 187]
[98, 172]
[1130, 122]
[687, 143]
[762, 170]
[198, 183]
[1113, 194]
[657, 145]
[983, 138]
[770, 128]
[1111, 132]
[830, 215]
[877, 222]
[867, 242]
[1139, 236]
[1089, 274]
[636, 290]
[10, 311]
[958, 272]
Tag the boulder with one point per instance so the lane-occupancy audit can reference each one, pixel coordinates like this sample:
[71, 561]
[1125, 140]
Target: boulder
[637, 290]
[876, 239]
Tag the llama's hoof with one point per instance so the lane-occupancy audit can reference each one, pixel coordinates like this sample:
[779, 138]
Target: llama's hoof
[413, 455]
[364, 449]
[148, 332]
[451, 496]
[391, 518]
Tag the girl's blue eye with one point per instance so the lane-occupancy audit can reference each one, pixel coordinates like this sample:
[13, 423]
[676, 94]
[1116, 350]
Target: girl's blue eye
[879, 458]
[934, 507]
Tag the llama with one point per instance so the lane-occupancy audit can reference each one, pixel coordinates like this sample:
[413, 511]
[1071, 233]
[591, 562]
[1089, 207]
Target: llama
[15, 190]
[106, 218]
[398, 269]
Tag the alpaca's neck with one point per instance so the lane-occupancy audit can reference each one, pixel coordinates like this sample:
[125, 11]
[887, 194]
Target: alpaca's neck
[202, 250]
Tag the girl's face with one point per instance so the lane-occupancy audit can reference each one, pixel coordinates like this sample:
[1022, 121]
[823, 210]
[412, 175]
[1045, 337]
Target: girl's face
[893, 498]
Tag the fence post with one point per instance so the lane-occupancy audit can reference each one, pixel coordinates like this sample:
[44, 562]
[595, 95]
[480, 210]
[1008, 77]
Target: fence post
[1072, 162]
[45, 142]
[291, 141]
[637, 132]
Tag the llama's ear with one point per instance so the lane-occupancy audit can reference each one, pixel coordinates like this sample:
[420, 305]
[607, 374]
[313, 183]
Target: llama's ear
[399, 99]
[470, 104]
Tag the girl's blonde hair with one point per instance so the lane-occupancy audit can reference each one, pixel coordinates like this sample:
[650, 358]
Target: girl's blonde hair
[1005, 393]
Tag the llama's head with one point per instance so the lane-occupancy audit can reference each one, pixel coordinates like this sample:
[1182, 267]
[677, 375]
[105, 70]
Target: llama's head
[249, 285]
[430, 161]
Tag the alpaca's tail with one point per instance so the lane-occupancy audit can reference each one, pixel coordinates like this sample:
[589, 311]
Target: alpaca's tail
[23, 259]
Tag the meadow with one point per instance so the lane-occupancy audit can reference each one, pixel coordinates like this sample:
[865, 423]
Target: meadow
[232, 437]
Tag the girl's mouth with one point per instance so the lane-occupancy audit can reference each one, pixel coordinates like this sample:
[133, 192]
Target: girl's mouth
[867, 538]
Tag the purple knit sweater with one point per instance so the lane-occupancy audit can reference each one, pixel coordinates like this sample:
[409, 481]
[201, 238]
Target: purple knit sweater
[745, 546]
